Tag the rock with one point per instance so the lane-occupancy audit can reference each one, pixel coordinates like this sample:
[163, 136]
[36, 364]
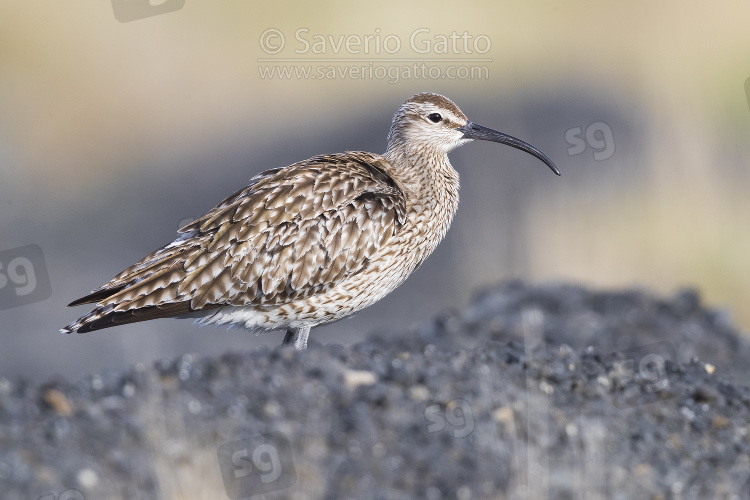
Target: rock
[553, 391]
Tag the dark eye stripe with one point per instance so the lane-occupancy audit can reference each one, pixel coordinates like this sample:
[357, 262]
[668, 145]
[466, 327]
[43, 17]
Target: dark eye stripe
[435, 117]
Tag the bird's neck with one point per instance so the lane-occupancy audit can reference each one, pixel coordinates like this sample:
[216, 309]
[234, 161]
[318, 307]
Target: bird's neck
[422, 171]
[430, 182]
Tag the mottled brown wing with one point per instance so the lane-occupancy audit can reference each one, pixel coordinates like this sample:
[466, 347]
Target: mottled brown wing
[292, 233]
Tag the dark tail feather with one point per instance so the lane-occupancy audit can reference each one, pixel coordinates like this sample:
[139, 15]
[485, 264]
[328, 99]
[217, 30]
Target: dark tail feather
[99, 318]
[97, 296]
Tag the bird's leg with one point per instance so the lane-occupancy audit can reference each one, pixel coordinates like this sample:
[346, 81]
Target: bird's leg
[289, 337]
[297, 337]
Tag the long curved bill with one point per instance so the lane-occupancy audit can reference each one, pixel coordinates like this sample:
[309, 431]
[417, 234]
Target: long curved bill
[473, 131]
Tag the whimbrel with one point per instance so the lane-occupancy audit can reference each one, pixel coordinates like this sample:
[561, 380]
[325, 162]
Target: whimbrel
[310, 243]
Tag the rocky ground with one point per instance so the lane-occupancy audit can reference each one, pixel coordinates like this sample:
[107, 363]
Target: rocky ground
[530, 392]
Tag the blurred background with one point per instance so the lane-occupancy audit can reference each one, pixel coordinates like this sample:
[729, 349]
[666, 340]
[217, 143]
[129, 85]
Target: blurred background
[113, 134]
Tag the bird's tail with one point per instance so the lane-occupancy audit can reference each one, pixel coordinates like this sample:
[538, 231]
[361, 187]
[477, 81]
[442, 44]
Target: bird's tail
[106, 316]
[87, 322]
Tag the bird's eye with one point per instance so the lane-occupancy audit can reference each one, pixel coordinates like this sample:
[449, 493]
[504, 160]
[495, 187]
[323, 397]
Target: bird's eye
[435, 117]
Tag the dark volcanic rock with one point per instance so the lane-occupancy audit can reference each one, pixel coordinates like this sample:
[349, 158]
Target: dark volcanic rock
[531, 392]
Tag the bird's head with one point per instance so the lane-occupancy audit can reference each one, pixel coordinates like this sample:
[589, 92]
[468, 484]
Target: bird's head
[432, 123]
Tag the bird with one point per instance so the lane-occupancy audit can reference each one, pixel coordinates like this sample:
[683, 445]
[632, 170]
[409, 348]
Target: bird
[310, 243]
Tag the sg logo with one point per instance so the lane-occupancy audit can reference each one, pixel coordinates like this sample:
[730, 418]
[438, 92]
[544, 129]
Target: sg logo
[457, 414]
[646, 367]
[256, 465]
[598, 136]
[132, 10]
[23, 277]
[71, 494]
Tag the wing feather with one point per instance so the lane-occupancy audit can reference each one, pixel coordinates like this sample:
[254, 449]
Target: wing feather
[292, 233]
